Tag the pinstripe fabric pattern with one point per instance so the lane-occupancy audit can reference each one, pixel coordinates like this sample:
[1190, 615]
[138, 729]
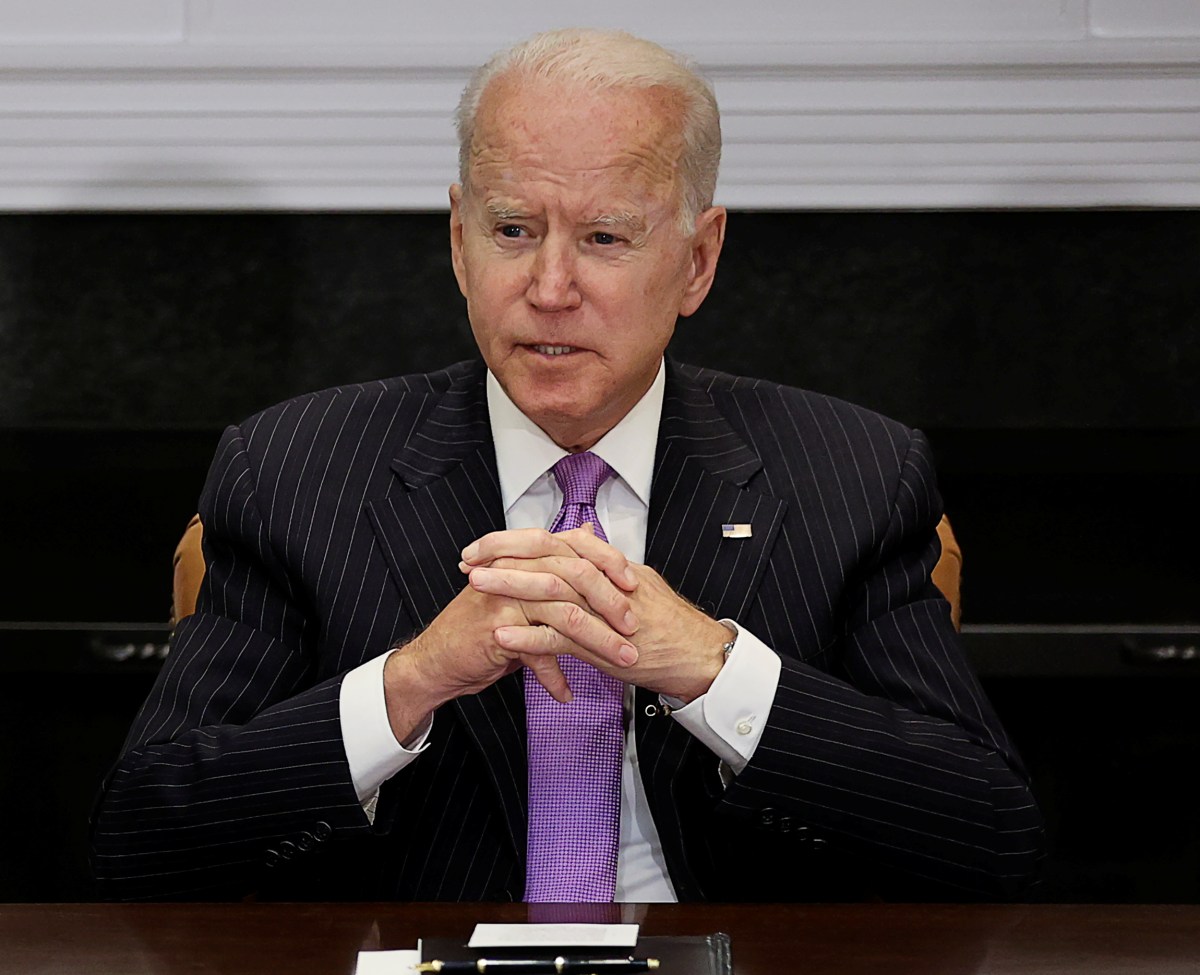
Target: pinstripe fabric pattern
[333, 526]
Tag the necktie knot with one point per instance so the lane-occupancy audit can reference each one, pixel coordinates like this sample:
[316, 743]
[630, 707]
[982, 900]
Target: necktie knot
[580, 476]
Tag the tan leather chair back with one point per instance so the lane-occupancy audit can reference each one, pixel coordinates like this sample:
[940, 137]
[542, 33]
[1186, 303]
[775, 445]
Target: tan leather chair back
[947, 574]
[189, 571]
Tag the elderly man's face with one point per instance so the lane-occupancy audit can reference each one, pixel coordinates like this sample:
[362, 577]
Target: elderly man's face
[568, 248]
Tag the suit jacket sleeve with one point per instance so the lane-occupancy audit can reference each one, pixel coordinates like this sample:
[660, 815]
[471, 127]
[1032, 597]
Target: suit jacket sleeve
[881, 745]
[236, 759]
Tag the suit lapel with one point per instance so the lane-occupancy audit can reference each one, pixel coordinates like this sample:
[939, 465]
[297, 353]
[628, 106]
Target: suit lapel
[452, 496]
[448, 468]
[702, 477]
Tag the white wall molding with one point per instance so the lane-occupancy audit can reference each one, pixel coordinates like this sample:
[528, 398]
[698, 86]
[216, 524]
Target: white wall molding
[1093, 121]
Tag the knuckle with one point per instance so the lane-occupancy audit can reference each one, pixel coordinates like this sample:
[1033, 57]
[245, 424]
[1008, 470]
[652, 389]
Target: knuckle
[581, 570]
[576, 618]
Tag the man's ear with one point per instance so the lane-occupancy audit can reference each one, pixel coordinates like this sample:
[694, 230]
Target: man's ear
[707, 241]
[456, 237]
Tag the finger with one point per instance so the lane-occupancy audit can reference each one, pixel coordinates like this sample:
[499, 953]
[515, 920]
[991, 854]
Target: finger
[558, 579]
[585, 543]
[521, 543]
[533, 543]
[568, 629]
[548, 673]
[520, 579]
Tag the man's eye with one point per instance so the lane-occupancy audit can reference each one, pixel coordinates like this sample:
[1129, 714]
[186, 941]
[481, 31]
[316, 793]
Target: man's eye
[602, 237]
[511, 230]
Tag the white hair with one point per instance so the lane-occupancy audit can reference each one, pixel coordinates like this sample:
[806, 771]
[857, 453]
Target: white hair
[601, 59]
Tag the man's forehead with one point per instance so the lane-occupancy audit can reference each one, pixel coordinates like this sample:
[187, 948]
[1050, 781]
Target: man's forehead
[626, 188]
[570, 147]
[607, 157]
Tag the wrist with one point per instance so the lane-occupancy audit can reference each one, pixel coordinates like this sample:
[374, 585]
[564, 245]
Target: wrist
[408, 694]
[713, 651]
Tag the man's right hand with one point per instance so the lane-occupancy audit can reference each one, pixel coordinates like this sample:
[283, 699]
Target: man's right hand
[458, 654]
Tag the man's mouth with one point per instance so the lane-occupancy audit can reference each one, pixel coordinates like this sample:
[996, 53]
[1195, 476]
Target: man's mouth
[554, 349]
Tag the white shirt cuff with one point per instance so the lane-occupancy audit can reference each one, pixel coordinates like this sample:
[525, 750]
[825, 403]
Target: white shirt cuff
[372, 751]
[730, 717]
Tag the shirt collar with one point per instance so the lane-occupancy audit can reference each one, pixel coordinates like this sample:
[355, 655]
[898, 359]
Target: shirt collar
[524, 452]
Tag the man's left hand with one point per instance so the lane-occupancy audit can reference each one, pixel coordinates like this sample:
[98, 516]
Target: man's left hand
[680, 648]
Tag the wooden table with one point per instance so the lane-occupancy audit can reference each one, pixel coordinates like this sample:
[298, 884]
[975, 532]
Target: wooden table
[775, 939]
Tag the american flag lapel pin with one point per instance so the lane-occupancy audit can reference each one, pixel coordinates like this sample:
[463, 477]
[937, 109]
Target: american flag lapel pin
[736, 531]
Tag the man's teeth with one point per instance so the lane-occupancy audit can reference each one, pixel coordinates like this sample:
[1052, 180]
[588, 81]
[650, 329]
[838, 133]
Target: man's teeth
[554, 349]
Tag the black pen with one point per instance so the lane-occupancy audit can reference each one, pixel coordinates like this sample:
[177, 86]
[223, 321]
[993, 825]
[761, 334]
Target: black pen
[544, 966]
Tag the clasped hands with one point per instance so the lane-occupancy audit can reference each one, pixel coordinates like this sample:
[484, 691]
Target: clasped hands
[531, 596]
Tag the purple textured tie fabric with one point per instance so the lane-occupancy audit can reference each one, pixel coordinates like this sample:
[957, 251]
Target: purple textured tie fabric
[575, 750]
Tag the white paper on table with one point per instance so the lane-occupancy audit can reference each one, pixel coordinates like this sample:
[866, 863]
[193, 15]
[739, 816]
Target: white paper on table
[387, 962]
[554, 936]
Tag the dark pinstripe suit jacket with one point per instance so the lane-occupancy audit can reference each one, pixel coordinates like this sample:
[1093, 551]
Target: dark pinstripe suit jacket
[333, 527]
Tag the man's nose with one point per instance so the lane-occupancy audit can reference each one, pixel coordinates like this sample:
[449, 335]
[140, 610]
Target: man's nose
[552, 277]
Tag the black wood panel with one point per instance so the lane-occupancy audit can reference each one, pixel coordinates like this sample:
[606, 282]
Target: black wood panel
[1051, 319]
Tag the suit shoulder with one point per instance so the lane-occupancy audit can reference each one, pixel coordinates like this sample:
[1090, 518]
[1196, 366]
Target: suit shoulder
[759, 401]
[810, 443]
[355, 401]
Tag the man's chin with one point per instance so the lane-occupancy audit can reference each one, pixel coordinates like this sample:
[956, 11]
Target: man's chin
[565, 422]
[558, 394]
[555, 411]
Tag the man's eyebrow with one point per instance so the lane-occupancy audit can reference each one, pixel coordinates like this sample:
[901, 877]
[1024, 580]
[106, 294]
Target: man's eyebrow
[622, 218]
[503, 211]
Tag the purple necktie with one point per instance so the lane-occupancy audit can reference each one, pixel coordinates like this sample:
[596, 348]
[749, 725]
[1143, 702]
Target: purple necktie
[575, 749]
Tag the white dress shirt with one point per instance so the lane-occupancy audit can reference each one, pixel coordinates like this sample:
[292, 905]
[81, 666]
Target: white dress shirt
[729, 719]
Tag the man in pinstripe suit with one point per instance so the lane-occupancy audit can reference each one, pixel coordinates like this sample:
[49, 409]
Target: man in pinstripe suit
[344, 716]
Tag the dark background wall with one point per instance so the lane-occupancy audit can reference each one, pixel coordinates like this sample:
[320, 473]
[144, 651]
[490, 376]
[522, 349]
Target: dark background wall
[1052, 356]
